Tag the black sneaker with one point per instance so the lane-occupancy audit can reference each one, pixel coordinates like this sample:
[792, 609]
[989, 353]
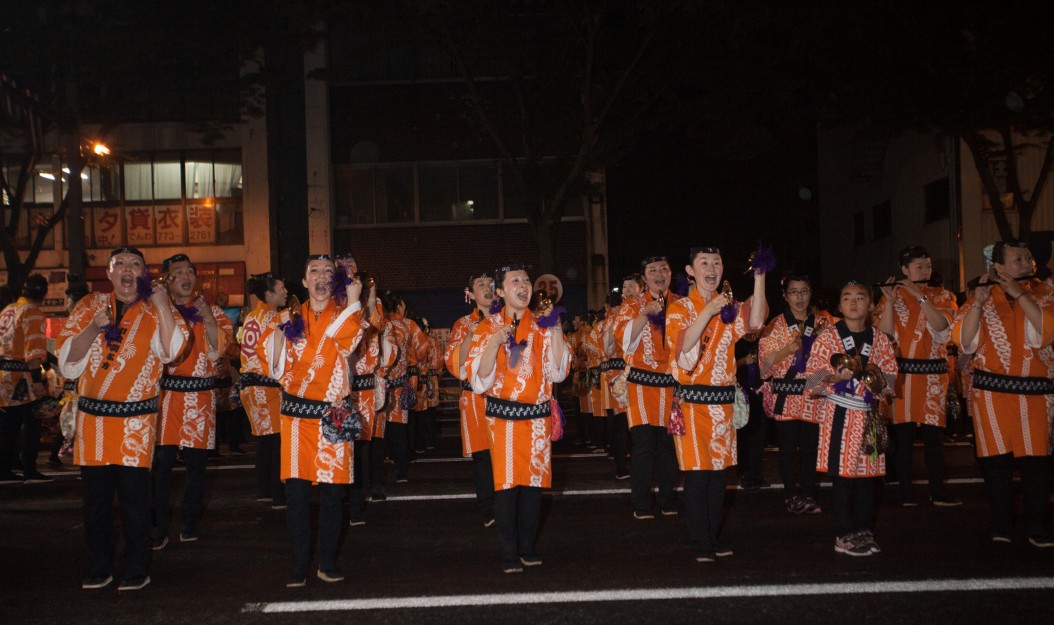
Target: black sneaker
[356, 522]
[1001, 538]
[159, 545]
[10, 478]
[54, 461]
[331, 577]
[510, 568]
[402, 480]
[36, 477]
[531, 560]
[1043, 541]
[136, 583]
[946, 501]
[296, 581]
[668, 511]
[95, 583]
[642, 516]
[723, 551]
[378, 497]
[705, 556]
[621, 476]
[189, 537]
[488, 522]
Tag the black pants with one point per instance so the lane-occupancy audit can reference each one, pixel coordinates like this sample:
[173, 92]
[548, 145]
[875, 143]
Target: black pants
[704, 496]
[517, 511]
[854, 497]
[230, 427]
[330, 516]
[483, 475]
[424, 429]
[269, 468]
[751, 441]
[653, 454]
[132, 487]
[193, 500]
[933, 441]
[798, 448]
[998, 473]
[360, 477]
[598, 430]
[399, 444]
[19, 420]
[617, 433]
[377, 464]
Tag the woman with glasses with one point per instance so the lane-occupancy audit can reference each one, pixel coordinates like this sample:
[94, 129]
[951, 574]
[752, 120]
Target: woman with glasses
[782, 353]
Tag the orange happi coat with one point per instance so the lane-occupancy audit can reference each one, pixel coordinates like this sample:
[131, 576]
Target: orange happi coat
[128, 371]
[520, 450]
[648, 405]
[593, 342]
[1008, 344]
[262, 401]
[612, 351]
[22, 338]
[188, 418]
[315, 368]
[709, 441]
[474, 434]
[435, 369]
[777, 334]
[920, 398]
[372, 357]
[853, 462]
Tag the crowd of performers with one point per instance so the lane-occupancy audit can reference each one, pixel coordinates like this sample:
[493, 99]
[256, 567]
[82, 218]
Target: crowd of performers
[327, 381]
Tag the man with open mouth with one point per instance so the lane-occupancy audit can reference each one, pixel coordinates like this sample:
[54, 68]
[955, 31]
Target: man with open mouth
[188, 401]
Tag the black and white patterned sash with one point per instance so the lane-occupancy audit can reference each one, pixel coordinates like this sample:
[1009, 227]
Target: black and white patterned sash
[255, 379]
[612, 364]
[399, 381]
[412, 370]
[303, 408]
[706, 394]
[997, 383]
[187, 384]
[106, 408]
[922, 366]
[650, 378]
[8, 364]
[363, 382]
[466, 385]
[70, 385]
[514, 410]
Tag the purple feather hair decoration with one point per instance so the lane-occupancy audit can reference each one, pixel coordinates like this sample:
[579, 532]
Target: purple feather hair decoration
[763, 260]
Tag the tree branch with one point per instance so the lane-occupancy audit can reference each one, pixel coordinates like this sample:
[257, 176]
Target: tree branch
[988, 181]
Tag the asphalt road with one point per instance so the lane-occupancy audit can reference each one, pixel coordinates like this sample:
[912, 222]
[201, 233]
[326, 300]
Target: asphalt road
[423, 557]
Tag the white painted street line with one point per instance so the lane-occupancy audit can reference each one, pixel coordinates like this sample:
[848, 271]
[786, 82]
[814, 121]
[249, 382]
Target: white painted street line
[637, 594]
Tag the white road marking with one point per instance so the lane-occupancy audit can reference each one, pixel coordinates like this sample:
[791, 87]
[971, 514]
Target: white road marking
[638, 594]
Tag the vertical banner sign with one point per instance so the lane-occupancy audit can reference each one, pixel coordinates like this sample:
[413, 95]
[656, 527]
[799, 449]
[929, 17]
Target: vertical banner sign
[201, 223]
[139, 221]
[106, 223]
[168, 223]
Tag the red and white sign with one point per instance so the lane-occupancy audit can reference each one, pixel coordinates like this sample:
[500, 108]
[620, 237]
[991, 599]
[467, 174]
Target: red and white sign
[106, 222]
[139, 221]
[201, 223]
[551, 285]
[168, 221]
